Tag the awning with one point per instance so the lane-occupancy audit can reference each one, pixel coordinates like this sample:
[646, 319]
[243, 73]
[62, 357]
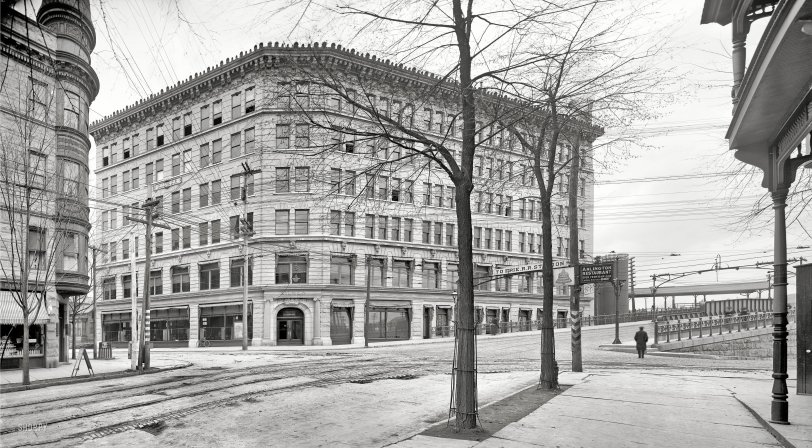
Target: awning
[170, 307]
[210, 305]
[342, 303]
[390, 304]
[11, 314]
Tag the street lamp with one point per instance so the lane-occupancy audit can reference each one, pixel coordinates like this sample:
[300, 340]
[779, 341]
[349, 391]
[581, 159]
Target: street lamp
[617, 284]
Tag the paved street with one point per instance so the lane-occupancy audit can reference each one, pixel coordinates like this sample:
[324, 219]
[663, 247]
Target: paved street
[355, 396]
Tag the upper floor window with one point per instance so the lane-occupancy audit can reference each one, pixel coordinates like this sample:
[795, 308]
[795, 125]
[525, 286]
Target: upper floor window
[156, 283]
[187, 124]
[283, 136]
[175, 129]
[70, 178]
[209, 276]
[71, 110]
[431, 275]
[249, 140]
[291, 269]
[216, 151]
[204, 118]
[109, 288]
[401, 274]
[342, 270]
[159, 135]
[249, 100]
[217, 113]
[236, 105]
[237, 274]
[180, 279]
[283, 180]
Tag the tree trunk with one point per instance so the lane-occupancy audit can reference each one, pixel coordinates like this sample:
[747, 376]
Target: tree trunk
[466, 398]
[575, 299]
[26, 355]
[466, 391]
[549, 367]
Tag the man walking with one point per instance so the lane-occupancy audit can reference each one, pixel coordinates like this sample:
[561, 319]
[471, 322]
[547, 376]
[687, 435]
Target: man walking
[641, 337]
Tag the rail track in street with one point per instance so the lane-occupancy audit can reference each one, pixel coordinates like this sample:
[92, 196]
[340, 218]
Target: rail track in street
[97, 409]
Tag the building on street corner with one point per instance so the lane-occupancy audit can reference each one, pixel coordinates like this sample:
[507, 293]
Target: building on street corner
[330, 209]
[48, 85]
[771, 128]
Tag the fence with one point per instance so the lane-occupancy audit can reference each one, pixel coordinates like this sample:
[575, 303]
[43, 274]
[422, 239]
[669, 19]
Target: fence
[637, 316]
[494, 328]
[666, 331]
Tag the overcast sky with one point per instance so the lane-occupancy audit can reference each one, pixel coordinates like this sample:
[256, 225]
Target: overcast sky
[670, 198]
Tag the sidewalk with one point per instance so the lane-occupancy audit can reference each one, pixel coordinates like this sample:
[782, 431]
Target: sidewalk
[103, 368]
[662, 408]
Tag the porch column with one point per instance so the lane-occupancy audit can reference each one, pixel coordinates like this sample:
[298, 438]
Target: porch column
[780, 407]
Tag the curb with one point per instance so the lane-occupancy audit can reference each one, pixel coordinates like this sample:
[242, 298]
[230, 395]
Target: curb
[781, 439]
[41, 384]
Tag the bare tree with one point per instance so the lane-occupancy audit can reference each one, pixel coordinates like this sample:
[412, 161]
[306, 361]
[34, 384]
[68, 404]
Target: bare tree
[78, 305]
[29, 239]
[595, 74]
[470, 49]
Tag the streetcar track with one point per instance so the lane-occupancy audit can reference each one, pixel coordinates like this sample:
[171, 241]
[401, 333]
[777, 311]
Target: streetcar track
[167, 382]
[142, 422]
[263, 377]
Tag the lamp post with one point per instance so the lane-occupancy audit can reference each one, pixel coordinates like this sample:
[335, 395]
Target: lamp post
[617, 283]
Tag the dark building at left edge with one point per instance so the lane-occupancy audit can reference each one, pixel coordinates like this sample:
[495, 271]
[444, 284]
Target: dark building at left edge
[47, 86]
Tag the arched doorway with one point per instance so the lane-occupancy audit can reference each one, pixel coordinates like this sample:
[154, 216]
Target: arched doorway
[290, 327]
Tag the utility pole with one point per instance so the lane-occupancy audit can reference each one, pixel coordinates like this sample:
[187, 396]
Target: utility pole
[616, 283]
[149, 207]
[575, 257]
[631, 285]
[366, 303]
[246, 233]
[135, 352]
[95, 297]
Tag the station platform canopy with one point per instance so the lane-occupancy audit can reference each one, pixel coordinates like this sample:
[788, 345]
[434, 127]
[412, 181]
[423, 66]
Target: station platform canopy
[703, 290]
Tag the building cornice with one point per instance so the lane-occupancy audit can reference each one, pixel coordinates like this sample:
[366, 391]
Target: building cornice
[280, 55]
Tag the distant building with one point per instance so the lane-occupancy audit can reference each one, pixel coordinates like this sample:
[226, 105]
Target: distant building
[48, 85]
[605, 292]
[320, 222]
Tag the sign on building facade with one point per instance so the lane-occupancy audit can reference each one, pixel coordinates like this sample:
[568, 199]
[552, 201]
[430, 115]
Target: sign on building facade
[525, 268]
[596, 273]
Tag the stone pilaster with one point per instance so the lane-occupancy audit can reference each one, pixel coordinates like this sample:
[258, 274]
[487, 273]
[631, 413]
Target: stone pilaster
[194, 325]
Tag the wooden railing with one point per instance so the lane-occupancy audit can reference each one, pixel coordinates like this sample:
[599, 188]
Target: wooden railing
[677, 330]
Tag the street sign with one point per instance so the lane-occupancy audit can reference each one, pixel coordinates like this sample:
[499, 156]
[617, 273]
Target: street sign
[525, 268]
[596, 273]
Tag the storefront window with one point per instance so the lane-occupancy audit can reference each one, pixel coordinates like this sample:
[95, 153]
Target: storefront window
[388, 323]
[224, 323]
[11, 341]
[169, 325]
[116, 327]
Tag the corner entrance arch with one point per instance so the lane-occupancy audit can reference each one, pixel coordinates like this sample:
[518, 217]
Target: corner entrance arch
[290, 326]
